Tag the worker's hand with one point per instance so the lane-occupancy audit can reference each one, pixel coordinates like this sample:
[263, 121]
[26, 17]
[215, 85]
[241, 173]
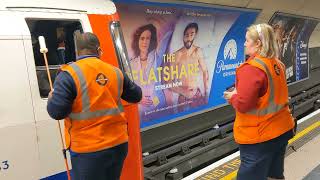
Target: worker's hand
[228, 94]
[50, 94]
[146, 101]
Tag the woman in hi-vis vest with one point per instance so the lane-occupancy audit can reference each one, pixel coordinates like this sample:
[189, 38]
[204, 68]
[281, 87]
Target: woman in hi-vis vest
[263, 123]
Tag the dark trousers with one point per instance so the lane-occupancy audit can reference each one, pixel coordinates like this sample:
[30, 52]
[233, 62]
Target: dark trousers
[102, 165]
[262, 160]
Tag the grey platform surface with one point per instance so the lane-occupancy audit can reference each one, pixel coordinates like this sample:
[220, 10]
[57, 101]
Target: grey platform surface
[314, 174]
[304, 164]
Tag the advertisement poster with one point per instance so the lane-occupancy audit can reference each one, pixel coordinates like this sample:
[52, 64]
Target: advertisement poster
[182, 56]
[292, 34]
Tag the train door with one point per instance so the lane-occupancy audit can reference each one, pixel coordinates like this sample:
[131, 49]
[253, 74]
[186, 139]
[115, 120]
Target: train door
[19, 151]
[58, 28]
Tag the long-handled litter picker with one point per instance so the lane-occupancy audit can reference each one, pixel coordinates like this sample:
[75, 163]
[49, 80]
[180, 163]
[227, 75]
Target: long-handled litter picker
[44, 50]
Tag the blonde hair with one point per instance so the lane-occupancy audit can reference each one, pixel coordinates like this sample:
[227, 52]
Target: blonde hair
[265, 33]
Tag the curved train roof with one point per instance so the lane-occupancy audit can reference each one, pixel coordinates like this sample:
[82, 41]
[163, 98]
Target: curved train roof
[89, 6]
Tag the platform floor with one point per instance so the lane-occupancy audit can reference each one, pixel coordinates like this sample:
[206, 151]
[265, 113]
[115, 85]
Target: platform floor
[304, 164]
[314, 174]
[302, 157]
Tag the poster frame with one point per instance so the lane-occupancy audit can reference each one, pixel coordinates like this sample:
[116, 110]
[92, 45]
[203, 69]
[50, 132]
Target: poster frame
[188, 4]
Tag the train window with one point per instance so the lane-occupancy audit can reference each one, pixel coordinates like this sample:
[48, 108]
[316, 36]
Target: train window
[121, 50]
[314, 48]
[59, 37]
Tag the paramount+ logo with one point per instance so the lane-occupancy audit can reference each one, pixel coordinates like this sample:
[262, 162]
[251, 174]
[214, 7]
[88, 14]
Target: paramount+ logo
[230, 53]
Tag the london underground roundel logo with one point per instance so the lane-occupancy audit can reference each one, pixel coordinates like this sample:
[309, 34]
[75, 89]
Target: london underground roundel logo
[101, 79]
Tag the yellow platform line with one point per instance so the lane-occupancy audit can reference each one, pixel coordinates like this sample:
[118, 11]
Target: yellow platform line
[233, 174]
[304, 132]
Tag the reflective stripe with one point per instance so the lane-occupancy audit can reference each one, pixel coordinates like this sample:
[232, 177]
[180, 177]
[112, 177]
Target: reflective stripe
[272, 106]
[271, 109]
[85, 112]
[94, 114]
[83, 88]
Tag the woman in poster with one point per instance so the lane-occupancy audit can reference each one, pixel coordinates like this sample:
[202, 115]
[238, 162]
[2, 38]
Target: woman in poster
[144, 46]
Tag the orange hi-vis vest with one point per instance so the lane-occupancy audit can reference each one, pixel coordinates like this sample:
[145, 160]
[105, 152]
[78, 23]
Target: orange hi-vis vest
[97, 120]
[271, 117]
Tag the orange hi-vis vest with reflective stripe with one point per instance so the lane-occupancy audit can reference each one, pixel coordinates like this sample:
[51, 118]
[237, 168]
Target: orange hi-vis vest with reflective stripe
[271, 117]
[97, 120]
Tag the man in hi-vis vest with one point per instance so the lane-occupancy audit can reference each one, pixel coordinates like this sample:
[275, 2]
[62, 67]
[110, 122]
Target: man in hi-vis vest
[88, 93]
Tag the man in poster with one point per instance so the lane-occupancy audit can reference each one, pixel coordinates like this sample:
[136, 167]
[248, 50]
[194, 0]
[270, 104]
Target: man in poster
[190, 91]
[289, 54]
